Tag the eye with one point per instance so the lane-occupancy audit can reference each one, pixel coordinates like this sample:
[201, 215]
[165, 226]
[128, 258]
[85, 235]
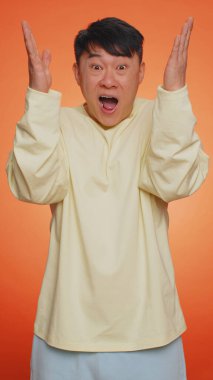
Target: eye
[122, 67]
[96, 67]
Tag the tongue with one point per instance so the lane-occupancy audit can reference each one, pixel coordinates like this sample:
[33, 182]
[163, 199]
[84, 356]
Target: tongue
[109, 104]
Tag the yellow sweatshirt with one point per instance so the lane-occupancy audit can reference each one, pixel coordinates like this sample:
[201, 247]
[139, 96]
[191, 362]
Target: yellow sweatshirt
[109, 281]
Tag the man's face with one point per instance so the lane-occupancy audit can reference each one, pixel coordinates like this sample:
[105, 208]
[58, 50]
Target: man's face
[109, 84]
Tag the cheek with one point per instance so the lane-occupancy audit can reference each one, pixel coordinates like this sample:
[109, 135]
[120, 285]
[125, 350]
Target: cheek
[135, 83]
[131, 82]
[130, 89]
[88, 88]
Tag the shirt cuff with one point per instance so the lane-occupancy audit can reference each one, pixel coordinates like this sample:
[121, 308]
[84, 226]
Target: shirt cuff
[170, 95]
[51, 92]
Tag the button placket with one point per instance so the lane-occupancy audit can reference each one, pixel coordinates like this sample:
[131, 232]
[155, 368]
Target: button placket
[110, 145]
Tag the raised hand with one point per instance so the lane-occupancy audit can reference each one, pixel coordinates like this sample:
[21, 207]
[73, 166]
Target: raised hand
[38, 64]
[175, 71]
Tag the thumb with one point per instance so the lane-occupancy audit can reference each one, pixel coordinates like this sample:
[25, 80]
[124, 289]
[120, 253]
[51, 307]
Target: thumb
[46, 57]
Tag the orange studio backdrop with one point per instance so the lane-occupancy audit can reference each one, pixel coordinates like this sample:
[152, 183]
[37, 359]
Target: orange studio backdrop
[25, 227]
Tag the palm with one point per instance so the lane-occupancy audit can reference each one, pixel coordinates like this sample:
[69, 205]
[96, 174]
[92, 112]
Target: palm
[175, 71]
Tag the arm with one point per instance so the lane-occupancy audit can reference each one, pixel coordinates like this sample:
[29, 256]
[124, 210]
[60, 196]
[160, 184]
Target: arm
[37, 168]
[174, 165]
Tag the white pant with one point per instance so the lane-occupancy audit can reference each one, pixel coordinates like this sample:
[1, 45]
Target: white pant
[161, 363]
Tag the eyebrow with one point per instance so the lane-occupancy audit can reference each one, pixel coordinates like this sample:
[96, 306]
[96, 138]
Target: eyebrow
[91, 55]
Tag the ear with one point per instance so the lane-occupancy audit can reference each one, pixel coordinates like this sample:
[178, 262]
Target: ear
[141, 71]
[76, 72]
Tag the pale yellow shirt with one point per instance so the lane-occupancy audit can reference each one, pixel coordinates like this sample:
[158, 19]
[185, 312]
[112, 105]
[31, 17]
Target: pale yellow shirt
[109, 282]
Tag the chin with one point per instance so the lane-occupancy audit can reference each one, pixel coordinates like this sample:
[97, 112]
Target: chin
[107, 120]
[109, 123]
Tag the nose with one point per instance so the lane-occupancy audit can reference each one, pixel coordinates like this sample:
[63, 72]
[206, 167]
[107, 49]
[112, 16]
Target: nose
[108, 79]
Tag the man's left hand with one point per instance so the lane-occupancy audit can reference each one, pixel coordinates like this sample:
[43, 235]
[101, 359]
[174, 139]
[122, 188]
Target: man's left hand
[175, 71]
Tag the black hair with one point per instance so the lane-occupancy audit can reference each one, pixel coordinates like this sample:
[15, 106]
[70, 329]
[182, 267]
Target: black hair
[115, 36]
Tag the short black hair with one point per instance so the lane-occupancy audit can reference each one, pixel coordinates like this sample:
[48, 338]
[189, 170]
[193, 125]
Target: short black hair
[115, 36]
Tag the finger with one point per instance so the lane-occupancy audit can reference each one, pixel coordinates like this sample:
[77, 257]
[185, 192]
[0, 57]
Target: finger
[29, 40]
[190, 22]
[185, 34]
[46, 57]
[34, 43]
[175, 47]
[190, 27]
[186, 44]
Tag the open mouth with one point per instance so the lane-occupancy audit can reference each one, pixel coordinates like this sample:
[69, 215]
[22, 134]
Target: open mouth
[109, 103]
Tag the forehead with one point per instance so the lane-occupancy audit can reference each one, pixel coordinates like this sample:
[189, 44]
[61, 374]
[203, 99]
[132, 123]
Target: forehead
[96, 51]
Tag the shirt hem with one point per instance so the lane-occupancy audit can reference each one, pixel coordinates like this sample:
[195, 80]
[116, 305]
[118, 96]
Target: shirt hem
[145, 343]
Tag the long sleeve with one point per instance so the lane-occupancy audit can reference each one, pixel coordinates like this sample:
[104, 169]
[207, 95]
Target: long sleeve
[175, 164]
[37, 168]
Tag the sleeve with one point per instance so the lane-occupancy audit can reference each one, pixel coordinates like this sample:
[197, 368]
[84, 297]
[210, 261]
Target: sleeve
[174, 165]
[37, 168]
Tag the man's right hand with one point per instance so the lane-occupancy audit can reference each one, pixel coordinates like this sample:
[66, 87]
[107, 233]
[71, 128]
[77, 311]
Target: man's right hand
[38, 64]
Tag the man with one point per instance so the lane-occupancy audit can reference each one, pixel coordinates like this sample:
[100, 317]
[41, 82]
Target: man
[108, 307]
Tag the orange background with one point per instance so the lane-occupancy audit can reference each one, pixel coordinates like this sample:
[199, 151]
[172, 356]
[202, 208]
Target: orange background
[25, 227]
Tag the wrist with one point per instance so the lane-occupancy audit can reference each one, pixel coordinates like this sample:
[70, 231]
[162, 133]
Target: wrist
[174, 85]
[39, 85]
[165, 95]
[173, 88]
[37, 88]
